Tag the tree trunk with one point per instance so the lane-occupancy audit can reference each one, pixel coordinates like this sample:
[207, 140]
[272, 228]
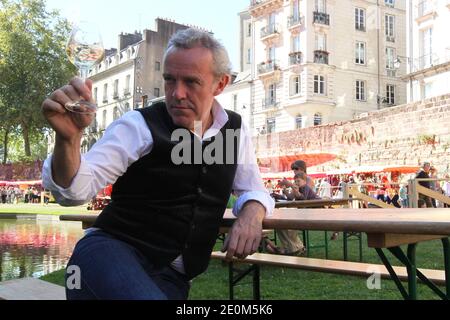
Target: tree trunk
[26, 140]
[5, 146]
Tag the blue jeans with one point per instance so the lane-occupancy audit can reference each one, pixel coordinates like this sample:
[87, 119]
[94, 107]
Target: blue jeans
[114, 270]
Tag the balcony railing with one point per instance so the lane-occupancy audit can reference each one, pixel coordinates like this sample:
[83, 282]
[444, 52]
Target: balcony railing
[270, 103]
[321, 56]
[322, 18]
[295, 58]
[294, 21]
[430, 60]
[390, 38]
[259, 8]
[267, 67]
[271, 29]
[126, 92]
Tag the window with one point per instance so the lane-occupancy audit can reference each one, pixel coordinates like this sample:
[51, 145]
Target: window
[321, 6]
[317, 119]
[235, 101]
[271, 54]
[249, 56]
[390, 58]
[389, 3]
[321, 42]
[157, 66]
[249, 30]
[296, 10]
[296, 43]
[104, 119]
[116, 88]
[271, 94]
[360, 53]
[319, 84]
[127, 107]
[95, 94]
[295, 86]
[360, 90]
[127, 84]
[270, 125]
[390, 28]
[156, 92]
[428, 90]
[360, 19]
[299, 121]
[115, 113]
[426, 48]
[390, 94]
[105, 92]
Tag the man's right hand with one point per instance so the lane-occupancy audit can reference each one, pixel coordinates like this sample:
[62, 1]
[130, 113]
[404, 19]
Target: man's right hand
[68, 125]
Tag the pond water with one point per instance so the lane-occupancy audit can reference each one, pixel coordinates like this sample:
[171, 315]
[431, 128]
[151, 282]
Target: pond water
[33, 248]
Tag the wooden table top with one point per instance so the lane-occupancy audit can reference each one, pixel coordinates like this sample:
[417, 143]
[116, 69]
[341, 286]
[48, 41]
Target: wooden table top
[428, 221]
[317, 203]
[404, 221]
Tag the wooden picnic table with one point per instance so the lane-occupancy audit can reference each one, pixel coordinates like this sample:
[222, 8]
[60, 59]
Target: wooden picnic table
[385, 229]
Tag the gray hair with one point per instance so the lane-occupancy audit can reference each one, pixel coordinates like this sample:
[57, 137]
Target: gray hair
[194, 38]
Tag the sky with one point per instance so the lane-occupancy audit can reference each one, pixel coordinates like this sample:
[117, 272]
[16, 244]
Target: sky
[114, 17]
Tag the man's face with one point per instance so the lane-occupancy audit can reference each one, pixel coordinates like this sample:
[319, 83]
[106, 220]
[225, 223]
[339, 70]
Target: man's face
[426, 168]
[190, 86]
[299, 182]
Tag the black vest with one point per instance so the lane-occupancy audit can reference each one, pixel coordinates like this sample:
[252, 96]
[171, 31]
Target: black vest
[164, 209]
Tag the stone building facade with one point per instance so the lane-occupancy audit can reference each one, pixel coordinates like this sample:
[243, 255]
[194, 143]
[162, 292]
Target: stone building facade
[320, 61]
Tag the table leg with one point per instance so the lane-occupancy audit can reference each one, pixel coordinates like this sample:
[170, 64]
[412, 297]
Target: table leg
[446, 246]
[409, 261]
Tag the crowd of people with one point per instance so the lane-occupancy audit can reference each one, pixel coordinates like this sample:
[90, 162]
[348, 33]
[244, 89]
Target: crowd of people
[391, 188]
[15, 195]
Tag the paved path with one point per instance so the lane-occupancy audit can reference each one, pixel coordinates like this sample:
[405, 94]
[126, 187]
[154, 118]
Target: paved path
[31, 289]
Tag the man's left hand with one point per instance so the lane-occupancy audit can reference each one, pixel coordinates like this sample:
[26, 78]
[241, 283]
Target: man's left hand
[245, 234]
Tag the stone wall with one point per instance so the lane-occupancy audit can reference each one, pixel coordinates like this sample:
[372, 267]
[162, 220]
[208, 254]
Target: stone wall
[404, 135]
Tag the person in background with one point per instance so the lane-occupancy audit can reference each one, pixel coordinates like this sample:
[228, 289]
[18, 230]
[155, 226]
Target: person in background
[424, 173]
[403, 195]
[290, 243]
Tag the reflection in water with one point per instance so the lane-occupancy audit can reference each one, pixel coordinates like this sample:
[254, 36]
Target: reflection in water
[30, 248]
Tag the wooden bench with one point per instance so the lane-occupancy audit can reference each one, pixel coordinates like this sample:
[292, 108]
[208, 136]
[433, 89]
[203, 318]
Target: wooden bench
[311, 264]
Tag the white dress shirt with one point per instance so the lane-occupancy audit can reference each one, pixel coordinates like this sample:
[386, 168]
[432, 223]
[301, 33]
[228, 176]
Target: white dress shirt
[129, 139]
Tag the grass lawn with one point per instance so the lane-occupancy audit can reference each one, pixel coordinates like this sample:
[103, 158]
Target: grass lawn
[50, 209]
[288, 284]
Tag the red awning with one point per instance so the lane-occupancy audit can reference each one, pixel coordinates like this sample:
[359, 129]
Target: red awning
[283, 163]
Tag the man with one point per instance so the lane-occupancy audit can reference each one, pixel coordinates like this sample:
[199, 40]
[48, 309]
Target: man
[424, 174]
[302, 189]
[149, 243]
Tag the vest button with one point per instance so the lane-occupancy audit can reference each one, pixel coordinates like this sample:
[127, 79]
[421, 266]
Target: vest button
[204, 170]
[199, 190]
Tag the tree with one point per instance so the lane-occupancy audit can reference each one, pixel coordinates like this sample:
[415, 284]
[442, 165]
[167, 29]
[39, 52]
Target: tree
[33, 63]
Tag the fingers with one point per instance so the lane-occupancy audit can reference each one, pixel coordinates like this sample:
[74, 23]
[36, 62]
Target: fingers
[83, 88]
[51, 106]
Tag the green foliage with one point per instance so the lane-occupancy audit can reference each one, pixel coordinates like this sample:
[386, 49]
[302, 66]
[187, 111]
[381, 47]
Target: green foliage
[32, 65]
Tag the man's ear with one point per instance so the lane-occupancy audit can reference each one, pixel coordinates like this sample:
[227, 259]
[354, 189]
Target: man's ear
[222, 84]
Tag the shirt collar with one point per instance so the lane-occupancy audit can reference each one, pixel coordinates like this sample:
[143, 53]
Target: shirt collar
[220, 118]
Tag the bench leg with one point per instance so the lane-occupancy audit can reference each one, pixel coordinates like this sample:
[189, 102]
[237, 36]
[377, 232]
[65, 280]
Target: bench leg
[235, 276]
